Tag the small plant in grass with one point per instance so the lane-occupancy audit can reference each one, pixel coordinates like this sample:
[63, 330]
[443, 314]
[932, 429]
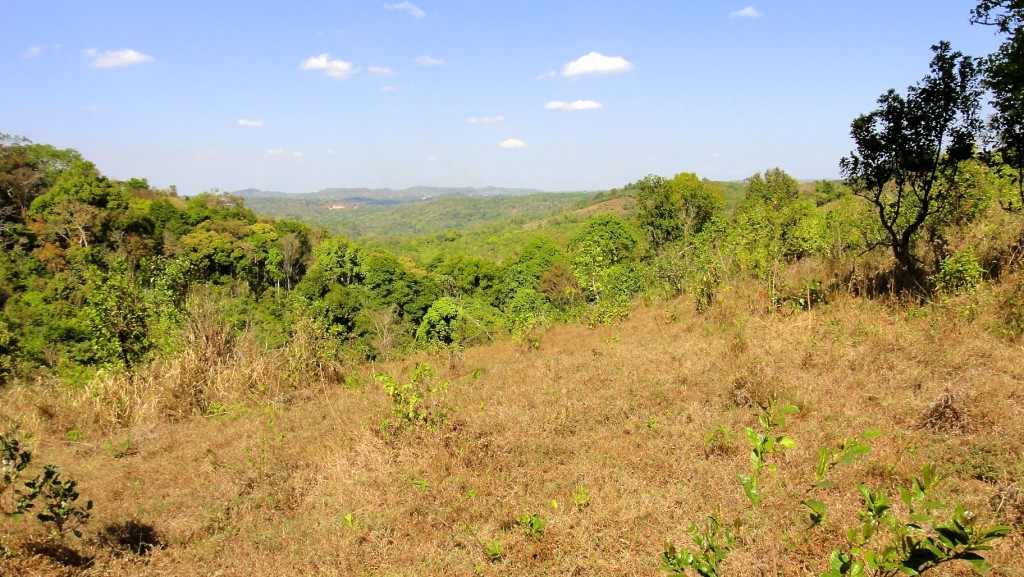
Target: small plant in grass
[720, 441]
[533, 524]
[60, 502]
[13, 459]
[846, 452]
[581, 497]
[764, 443]
[410, 400]
[884, 545]
[494, 551]
[713, 543]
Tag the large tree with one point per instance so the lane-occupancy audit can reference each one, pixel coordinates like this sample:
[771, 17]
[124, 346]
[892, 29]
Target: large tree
[909, 150]
[669, 210]
[1004, 77]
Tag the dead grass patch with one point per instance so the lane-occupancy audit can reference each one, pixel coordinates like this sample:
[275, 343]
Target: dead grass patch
[312, 484]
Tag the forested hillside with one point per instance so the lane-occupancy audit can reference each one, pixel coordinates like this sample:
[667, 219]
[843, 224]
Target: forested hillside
[771, 378]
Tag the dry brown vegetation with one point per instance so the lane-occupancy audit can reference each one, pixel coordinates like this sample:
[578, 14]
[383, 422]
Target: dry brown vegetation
[289, 470]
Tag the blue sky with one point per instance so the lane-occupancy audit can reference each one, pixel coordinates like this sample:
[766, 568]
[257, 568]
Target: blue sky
[554, 95]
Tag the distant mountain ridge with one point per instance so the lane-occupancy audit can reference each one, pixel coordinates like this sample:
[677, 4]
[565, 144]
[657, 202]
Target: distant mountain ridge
[387, 195]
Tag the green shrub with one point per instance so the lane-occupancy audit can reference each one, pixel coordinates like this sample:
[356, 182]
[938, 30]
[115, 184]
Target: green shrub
[960, 272]
[414, 402]
[889, 546]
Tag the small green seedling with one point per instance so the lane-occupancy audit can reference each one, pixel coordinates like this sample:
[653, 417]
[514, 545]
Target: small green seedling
[533, 524]
[581, 497]
[407, 398]
[764, 443]
[712, 545]
[494, 551]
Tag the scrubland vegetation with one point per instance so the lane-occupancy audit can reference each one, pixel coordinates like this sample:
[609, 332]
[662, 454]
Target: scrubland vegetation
[816, 380]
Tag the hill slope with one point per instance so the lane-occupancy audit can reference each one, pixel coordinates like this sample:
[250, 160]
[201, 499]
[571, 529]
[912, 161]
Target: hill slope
[642, 421]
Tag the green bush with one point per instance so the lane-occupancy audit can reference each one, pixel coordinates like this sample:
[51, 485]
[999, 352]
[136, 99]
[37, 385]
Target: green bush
[960, 272]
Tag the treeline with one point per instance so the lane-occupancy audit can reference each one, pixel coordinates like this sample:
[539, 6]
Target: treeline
[100, 273]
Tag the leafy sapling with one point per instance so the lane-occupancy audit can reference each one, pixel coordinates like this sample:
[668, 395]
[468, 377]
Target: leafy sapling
[764, 443]
[13, 459]
[884, 545]
[60, 502]
[712, 542]
[846, 452]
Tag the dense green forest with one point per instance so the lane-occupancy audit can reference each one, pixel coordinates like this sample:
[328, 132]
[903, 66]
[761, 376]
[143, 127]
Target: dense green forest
[365, 221]
[101, 273]
[136, 303]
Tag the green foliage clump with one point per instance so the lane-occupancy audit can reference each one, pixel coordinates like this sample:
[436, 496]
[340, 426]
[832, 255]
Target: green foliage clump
[13, 460]
[440, 324]
[602, 261]
[959, 272]
[415, 401]
[8, 352]
[887, 545]
[118, 319]
[527, 309]
[532, 524]
[60, 502]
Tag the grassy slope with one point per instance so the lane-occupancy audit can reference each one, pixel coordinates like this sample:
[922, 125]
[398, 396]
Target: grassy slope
[622, 410]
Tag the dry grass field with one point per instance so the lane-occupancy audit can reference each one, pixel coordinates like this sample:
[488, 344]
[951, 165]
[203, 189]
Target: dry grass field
[606, 433]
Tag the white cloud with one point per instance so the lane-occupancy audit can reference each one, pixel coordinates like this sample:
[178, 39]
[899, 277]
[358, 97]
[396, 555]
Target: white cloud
[32, 52]
[282, 153]
[249, 123]
[330, 152]
[486, 119]
[512, 143]
[428, 61]
[546, 75]
[92, 109]
[112, 58]
[383, 70]
[388, 89]
[596, 63]
[409, 7]
[748, 12]
[334, 68]
[572, 106]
